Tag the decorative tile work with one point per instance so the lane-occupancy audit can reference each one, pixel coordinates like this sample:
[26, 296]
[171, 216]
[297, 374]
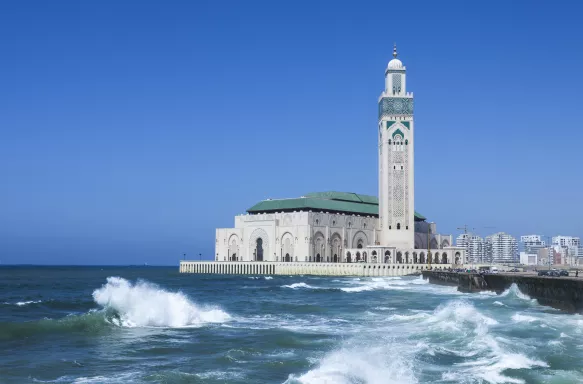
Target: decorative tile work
[389, 123]
[396, 83]
[395, 106]
[406, 124]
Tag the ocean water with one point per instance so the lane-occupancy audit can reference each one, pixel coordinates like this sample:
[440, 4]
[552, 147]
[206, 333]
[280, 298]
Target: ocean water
[153, 325]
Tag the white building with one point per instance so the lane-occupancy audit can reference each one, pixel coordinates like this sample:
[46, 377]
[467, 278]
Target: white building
[474, 246]
[531, 243]
[566, 241]
[527, 258]
[350, 227]
[501, 248]
[570, 248]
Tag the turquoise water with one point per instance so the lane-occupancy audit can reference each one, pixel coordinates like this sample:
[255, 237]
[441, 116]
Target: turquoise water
[153, 325]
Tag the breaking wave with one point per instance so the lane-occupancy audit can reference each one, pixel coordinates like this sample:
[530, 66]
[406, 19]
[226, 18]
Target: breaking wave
[125, 305]
[514, 292]
[145, 304]
[393, 351]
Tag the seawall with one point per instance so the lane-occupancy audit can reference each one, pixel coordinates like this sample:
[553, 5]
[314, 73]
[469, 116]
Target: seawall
[563, 293]
[299, 268]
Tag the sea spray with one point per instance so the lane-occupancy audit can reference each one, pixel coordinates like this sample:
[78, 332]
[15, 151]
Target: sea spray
[144, 304]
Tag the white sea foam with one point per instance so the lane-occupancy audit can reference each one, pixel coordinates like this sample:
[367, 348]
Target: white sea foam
[147, 305]
[268, 277]
[518, 318]
[499, 303]
[299, 285]
[359, 365]
[23, 303]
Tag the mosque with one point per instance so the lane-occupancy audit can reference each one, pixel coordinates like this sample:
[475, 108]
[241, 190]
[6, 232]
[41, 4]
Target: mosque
[346, 227]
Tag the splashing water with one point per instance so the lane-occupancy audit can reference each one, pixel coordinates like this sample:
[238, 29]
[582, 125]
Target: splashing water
[146, 305]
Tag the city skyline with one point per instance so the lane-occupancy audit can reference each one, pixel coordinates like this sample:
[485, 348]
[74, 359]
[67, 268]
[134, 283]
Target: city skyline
[129, 135]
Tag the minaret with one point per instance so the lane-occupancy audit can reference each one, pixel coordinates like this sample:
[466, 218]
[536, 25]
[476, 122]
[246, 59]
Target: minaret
[396, 165]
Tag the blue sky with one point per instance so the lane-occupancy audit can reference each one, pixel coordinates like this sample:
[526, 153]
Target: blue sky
[130, 130]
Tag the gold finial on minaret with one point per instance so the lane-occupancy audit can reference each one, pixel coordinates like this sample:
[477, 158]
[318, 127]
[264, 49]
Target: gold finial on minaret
[395, 51]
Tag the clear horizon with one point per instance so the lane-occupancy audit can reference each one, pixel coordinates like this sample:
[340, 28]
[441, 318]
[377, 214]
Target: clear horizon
[130, 131]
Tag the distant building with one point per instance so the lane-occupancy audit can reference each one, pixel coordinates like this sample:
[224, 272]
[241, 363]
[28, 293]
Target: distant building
[527, 258]
[569, 247]
[474, 246]
[501, 248]
[566, 241]
[532, 243]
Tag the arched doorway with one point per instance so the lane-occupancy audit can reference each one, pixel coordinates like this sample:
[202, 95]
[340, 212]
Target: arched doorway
[364, 256]
[436, 258]
[259, 249]
[348, 257]
[444, 258]
[287, 258]
[387, 257]
[457, 258]
[318, 258]
[357, 257]
[407, 258]
[234, 257]
[415, 260]
[422, 258]
[399, 258]
[335, 258]
[374, 256]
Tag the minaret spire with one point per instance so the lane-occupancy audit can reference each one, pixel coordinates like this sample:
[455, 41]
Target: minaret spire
[395, 51]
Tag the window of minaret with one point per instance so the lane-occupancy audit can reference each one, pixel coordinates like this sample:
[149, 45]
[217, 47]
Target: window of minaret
[396, 84]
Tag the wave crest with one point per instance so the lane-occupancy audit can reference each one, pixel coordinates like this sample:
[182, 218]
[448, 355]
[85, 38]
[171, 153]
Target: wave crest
[145, 304]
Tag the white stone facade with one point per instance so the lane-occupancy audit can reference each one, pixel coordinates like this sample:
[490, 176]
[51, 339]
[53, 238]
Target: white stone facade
[294, 236]
[326, 237]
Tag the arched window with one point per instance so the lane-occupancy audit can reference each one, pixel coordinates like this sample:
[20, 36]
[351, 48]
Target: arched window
[387, 257]
[259, 249]
[398, 225]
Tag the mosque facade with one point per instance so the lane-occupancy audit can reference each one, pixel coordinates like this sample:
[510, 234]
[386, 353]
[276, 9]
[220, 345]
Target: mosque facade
[345, 227]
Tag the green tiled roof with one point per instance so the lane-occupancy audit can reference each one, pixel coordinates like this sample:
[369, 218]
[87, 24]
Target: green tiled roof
[341, 202]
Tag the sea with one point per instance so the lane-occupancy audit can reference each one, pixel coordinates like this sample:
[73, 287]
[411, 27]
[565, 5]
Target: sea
[154, 325]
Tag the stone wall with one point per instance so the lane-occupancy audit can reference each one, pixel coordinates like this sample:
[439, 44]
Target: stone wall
[563, 293]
